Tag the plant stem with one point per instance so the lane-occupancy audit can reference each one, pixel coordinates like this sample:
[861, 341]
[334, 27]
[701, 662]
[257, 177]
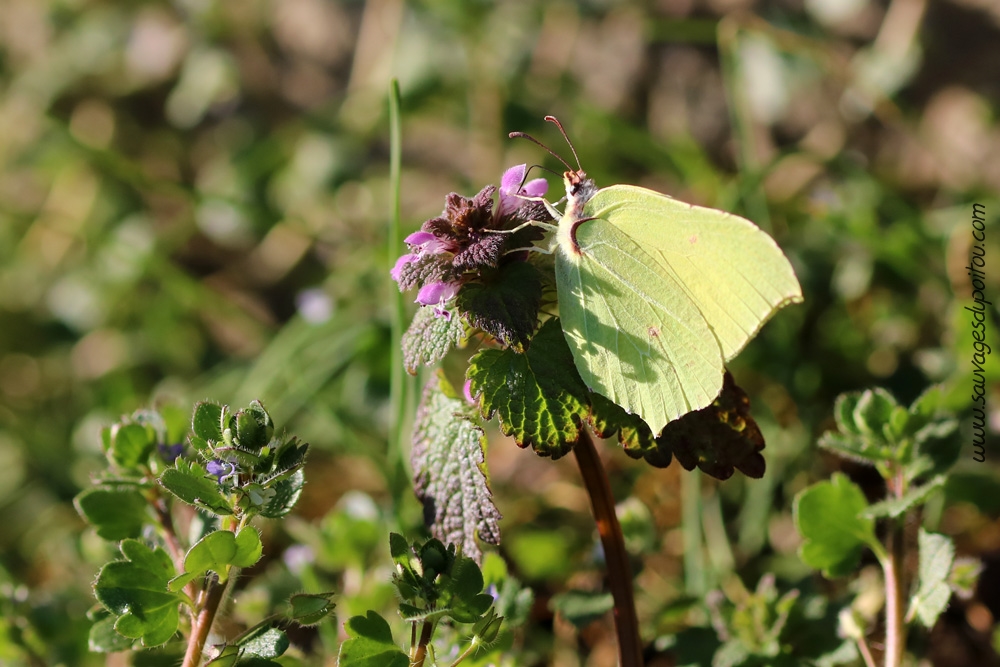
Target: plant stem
[203, 622]
[420, 654]
[695, 576]
[895, 627]
[397, 384]
[619, 572]
[866, 652]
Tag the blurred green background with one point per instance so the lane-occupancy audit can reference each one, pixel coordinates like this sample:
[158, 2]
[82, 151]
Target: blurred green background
[194, 201]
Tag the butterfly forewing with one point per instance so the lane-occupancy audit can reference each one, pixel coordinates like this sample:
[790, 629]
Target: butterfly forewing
[732, 271]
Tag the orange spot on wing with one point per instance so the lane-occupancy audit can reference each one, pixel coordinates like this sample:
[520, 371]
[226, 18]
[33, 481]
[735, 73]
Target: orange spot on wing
[693, 239]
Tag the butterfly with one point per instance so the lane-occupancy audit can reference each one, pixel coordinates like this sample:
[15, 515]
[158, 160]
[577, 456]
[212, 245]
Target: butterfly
[656, 295]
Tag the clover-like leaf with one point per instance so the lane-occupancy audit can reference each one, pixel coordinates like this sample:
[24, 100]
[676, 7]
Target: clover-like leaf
[933, 593]
[718, 438]
[135, 590]
[370, 644]
[448, 470]
[504, 305]
[131, 443]
[828, 515]
[538, 395]
[189, 481]
[429, 338]
[116, 512]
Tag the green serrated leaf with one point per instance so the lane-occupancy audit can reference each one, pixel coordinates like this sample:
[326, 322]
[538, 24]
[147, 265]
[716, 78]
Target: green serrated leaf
[370, 644]
[634, 436]
[189, 481]
[896, 507]
[131, 444]
[828, 516]
[538, 396]
[429, 338]
[135, 590]
[206, 422]
[937, 552]
[448, 471]
[505, 306]
[116, 512]
[286, 494]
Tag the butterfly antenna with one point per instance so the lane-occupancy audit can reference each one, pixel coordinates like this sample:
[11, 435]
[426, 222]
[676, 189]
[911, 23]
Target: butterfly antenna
[553, 119]
[522, 135]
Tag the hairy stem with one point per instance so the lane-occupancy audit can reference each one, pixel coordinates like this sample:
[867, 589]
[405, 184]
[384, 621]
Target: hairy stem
[203, 622]
[619, 573]
[420, 654]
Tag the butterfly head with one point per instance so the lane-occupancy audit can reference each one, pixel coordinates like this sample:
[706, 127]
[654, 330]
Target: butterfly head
[579, 190]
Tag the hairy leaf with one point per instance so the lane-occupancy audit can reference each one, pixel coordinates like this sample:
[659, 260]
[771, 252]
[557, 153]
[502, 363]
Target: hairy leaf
[936, 556]
[448, 470]
[287, 492]
[505, 305]
[189, 481]
[429, 338]
[896, 507]
[206, 422]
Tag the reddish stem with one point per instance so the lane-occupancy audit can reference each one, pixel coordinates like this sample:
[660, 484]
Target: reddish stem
[595, 480]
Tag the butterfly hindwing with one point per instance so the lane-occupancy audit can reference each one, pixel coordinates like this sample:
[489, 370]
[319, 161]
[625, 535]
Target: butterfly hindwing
[636, 336]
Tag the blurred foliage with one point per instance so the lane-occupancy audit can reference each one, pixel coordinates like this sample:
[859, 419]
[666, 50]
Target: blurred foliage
[193, 204]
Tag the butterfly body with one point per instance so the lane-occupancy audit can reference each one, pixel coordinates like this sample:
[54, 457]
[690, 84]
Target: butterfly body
[656, 295]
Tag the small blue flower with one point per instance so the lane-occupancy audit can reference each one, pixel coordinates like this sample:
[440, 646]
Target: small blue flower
[223, 470]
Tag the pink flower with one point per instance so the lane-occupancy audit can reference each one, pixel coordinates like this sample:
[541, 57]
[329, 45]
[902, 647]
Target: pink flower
[424, 243]
[511, 190]
[438, 294]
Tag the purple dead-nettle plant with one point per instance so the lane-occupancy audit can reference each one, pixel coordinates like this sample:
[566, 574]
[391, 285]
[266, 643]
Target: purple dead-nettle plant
[470, 239]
